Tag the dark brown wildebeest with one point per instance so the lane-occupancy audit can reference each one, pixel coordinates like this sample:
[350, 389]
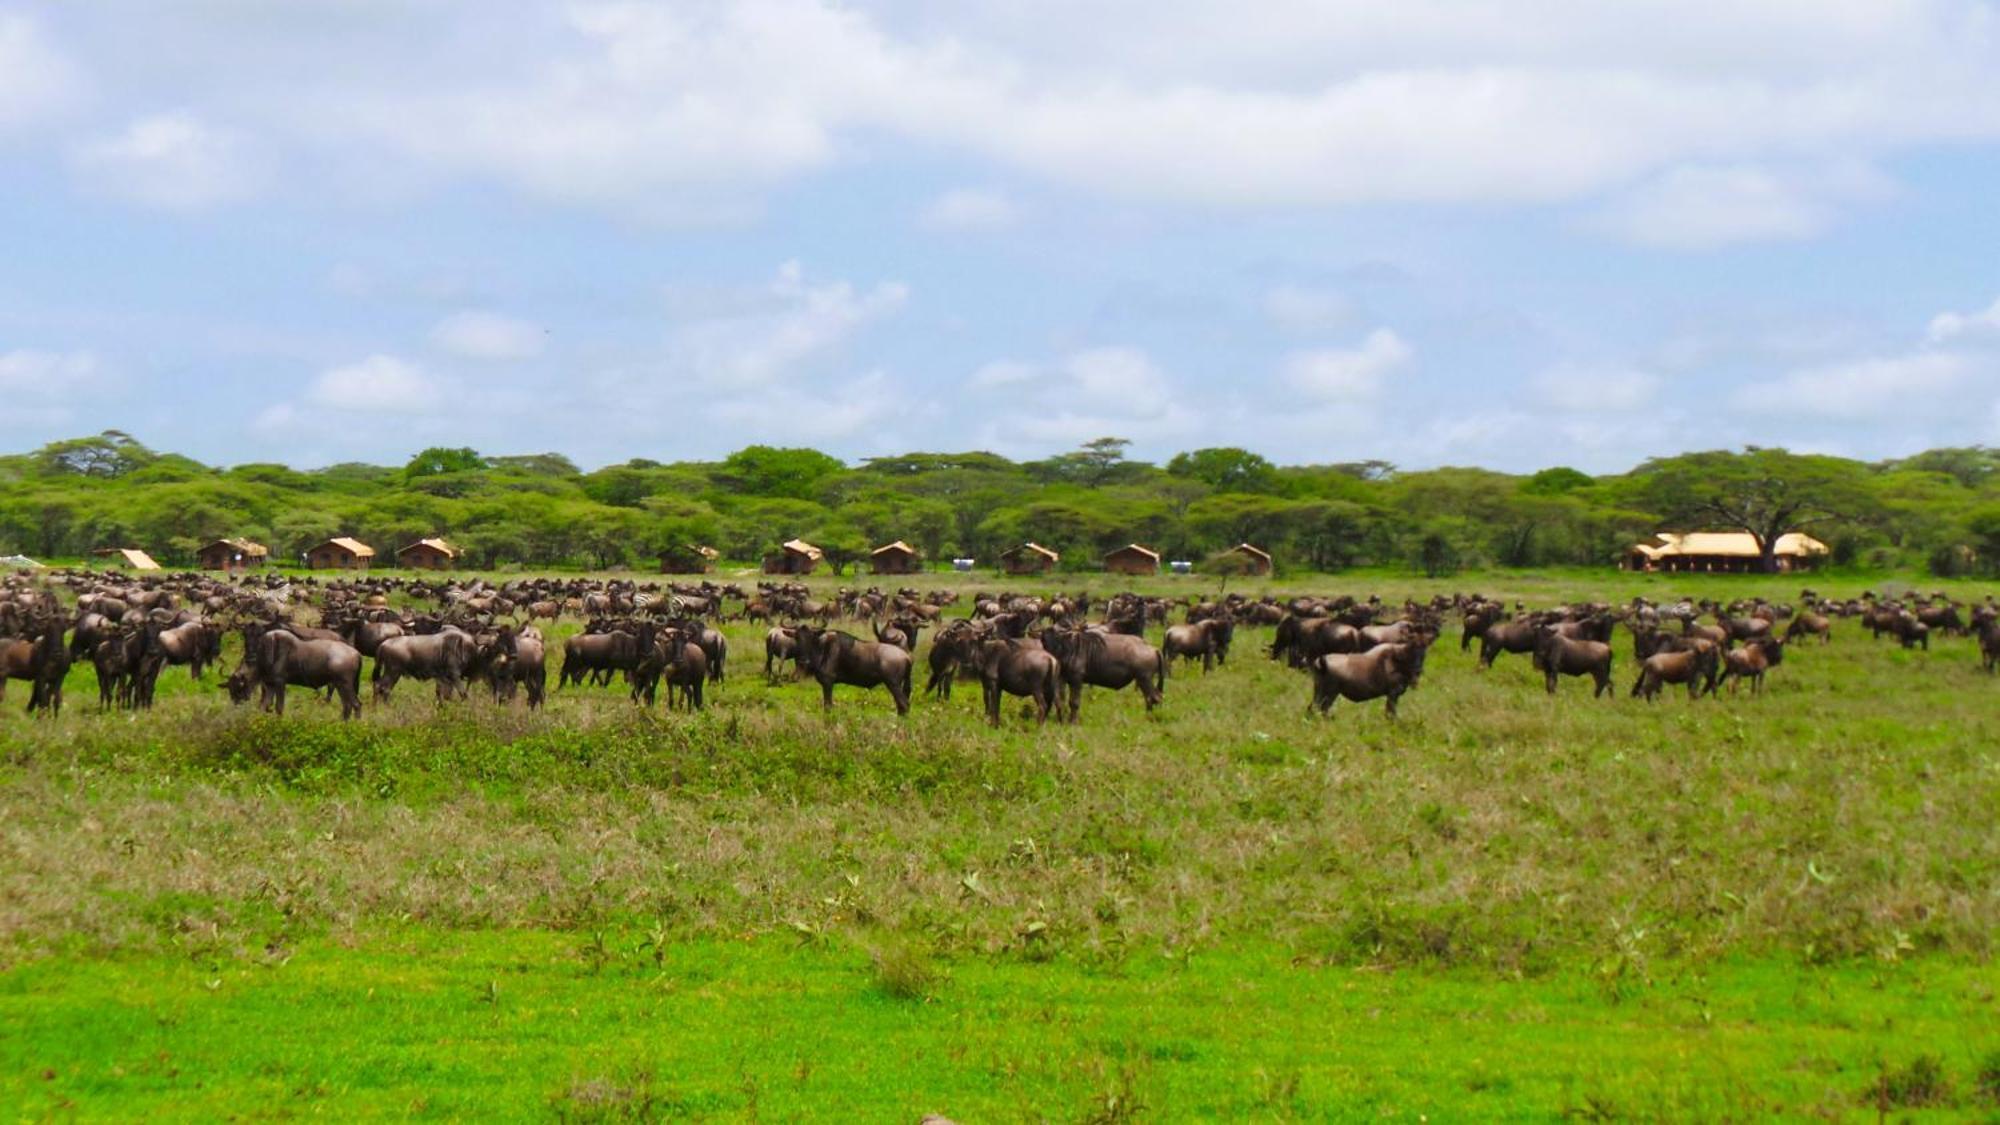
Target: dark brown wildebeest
[591, 653]
[1751, 661]
[1109, 660]
[282, 659]
[1558, 655]
[1208, 639]
[1383, 672]
[677, 657]
[1302, 640]
[1021, 668]
[440, 657]
[1809, 623]
[781, 643]
[834, 657]
[1519, 635]
[1989, 644]
[1694, 667]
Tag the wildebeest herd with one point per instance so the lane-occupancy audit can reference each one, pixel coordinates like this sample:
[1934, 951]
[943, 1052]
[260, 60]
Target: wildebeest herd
[1043, 648]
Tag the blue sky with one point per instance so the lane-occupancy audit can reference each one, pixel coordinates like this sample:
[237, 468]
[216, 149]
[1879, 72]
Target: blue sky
[1514, 235]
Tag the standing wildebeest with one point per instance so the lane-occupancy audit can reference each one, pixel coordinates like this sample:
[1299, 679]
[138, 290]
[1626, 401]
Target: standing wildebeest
[1018, 668]
[951, 650]
[676, 655]
[1989, 644]
[1809, 623]
[280, 659]
[1385, 671]
[1208, 639]
[117, 659]
[781, 643]
[1691, 666]
[1751, 662]
[834, 657]
[1110, 660]
[1558, 655]
[1521, 635]
[520, 664]
[591, 653]
[49, 661]
[1302, 640]
[442, 657]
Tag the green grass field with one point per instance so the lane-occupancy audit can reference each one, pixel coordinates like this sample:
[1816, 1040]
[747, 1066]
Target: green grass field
[1503, 905]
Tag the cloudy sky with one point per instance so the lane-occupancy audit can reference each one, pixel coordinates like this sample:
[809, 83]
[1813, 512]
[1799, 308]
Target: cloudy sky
[1512, 234]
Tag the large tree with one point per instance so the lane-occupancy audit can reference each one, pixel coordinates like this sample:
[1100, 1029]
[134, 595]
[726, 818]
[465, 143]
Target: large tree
[1768, 493]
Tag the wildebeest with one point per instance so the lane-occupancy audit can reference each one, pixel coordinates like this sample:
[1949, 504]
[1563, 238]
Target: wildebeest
[1383, 672]
[1695, 667]
[1558, 655]
[1208, 639]
[279, 659]
[591, 653]
[1110, 660]
[1751, 661]
[1508, 636]
[834, 657]
[440, 657]
[1018, 668]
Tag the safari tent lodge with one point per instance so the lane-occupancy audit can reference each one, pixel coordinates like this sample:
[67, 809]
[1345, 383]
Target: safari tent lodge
[1255, 561]
[688, 558]
[1133, 559]
[1722, 552]
[130, 557]
[340, 553]
[895, 558]
[795, 556]
[232, 554]
[1029, 558]
[428, 554]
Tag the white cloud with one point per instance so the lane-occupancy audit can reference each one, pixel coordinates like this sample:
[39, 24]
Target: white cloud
[1703, 207]
[484, 335]
[34, 77]
[1347, 374]
[1865, 389]
[40, 389]
[1298, 308]
[1086, 394]
[690, 111]
[1947, 326]
[173, 161]
[782, 327]
[379, 384]
[1591, 390]
[39, 374]
[970, 209]
[800, 414]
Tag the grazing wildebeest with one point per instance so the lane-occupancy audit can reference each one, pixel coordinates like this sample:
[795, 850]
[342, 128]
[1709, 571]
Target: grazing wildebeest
[1694, 667]
[1109, 660]
[1558, 655]
[1751, 661]
[1021, 668]
[1810, 624]
[834, 657]
[282, 659]
[1383, 672]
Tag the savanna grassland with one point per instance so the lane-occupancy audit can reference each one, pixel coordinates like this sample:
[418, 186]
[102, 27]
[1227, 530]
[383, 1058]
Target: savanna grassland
[1503, 905]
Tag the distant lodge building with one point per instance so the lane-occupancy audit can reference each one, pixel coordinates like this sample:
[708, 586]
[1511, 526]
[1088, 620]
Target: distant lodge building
[428, 554]
[688, 558]
[795, 556]
[1133, 559]
[340, 553]
[895, 558]
[1722, 552]
[1029, 558]
[1256, 560]
[127, 556]
[232, 554]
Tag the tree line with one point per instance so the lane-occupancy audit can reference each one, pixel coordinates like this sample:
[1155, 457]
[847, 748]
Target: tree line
[1938, 510]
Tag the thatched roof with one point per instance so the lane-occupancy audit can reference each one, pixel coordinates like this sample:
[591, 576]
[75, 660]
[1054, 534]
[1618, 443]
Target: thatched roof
[1726, 544]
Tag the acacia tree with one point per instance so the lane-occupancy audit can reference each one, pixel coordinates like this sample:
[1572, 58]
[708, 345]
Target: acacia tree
[1767, 493]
